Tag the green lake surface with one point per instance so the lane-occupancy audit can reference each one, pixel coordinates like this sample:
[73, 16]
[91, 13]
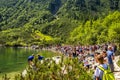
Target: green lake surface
[13, 59]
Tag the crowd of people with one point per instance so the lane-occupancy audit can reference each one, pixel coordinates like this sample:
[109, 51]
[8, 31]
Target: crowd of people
[92, 56]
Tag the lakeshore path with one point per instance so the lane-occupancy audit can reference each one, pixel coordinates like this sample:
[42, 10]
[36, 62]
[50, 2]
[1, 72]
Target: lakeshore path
[117, 68]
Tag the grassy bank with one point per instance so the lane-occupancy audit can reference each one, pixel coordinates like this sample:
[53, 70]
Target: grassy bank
[10, 75]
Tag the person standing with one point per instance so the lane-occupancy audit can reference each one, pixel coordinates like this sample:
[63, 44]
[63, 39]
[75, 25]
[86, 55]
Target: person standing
[98, 74]
[102, 71]
[110, 56]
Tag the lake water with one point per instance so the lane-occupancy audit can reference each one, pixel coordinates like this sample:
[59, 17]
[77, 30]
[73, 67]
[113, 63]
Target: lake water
[13, 59]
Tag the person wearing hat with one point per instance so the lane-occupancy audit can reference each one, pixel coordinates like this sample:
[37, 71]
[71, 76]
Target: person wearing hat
[110, 57]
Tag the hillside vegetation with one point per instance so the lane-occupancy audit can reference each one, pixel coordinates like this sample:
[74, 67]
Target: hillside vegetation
[98, 31]
[24, 22]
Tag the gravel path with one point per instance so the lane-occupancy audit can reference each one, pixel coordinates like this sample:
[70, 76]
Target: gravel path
[117, 68]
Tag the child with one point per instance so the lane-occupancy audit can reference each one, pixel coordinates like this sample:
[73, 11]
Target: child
[95, 56]
[95, 60]
[105, 56]
[99, 73]
[85, 61]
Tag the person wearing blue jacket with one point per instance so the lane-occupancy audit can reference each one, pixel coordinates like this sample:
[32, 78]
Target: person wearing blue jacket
[40, 57]
[30, 58]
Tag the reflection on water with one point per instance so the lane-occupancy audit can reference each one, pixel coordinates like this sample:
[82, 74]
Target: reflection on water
[13, 59]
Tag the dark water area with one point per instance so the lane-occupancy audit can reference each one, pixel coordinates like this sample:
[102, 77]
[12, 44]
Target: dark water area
[13, 59]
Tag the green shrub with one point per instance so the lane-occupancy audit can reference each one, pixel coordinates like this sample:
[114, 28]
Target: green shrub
[73, 70]
[118, 63]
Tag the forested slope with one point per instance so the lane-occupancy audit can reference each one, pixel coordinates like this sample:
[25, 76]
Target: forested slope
[98, 31]
[21, 19]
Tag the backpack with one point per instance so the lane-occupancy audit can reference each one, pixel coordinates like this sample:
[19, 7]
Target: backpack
[107, 75]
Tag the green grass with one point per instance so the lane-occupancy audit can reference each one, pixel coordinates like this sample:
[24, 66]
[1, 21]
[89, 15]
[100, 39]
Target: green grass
[10, 75]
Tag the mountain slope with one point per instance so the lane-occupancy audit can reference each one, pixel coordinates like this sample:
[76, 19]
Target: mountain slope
[57, 18]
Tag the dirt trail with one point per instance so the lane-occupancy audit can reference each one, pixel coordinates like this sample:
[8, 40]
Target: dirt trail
[117, 68]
